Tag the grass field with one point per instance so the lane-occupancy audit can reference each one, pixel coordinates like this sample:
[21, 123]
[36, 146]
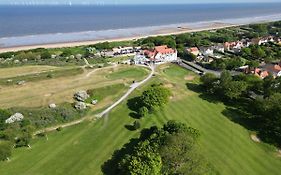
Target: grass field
[25, 70]
[61, 89]
[35, 77]
[82, 149]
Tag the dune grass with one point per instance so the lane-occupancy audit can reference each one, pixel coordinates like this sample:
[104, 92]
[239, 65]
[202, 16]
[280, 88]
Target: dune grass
[83, 149]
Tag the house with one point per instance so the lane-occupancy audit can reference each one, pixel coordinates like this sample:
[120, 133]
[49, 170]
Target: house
[123, 50]
[193, 50]
[233, 46]
[219, 48]
[159, 54]
[261, 41]
[261, 73]
[246, 42]
[207, 51]
[274, 69]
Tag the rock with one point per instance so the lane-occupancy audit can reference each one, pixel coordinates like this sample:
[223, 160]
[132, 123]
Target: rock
[16, 61]
[53, 105]
[80, 105]
[78, 56]
[21, 82]
[71, 57]
[9, 81]
[14, 118]
[94, 102]
[53, 56]
[81, 96]
[24, 60]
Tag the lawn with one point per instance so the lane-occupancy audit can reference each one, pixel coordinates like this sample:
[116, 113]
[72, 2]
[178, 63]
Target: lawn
[41, 76]
[61, 89]
[134, 72]
[25, 70]
[82, 149]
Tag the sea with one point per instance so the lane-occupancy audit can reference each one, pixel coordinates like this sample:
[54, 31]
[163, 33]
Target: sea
[31, 25]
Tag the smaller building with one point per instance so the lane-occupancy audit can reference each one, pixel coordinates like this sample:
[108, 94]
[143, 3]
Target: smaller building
[219, 48]
[207, 51]
[274, 69]
[193, 50]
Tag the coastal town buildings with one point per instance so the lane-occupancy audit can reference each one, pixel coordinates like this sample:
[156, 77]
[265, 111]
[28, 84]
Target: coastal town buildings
[193, 50]
[160, 54]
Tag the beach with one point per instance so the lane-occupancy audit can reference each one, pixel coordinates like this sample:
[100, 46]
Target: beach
[92, 37]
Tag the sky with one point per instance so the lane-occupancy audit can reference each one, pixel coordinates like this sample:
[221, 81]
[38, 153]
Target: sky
[127, 1]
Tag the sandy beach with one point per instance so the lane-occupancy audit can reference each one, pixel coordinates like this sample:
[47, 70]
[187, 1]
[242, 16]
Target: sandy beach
[85, 38]
[161, 32]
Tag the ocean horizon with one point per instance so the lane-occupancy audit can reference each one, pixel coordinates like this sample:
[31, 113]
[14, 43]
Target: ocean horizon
[31, 25]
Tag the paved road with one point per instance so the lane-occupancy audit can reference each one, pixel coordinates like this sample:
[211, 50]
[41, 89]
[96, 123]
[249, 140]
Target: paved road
[132, 88]
[197, 68]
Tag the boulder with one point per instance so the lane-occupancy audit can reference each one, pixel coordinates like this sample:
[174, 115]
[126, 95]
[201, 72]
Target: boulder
[80, 105]
[14, 118]
[21, 82]
[81, 96]
[53, 105]
[94, 102]
[16, 61]
[78, 56]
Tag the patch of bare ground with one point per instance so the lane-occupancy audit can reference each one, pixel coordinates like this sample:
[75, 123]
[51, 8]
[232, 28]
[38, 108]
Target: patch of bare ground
[255, 138]
[189, 77]
[279, 153]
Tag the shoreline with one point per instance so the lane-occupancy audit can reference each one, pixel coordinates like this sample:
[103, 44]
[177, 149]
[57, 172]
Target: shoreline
[161, 32]
[86, 38]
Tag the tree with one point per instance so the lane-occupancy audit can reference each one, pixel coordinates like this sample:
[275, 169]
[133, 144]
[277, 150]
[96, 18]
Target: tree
[136, 125]
[143, 111]
[235, 89]
[271, 119]
[180, 155]
[143, 161]
[154, 97]
[46, 55]
[4, 114]
[172, 149]
[225, 79]
[5, 150]
[258, 52]
[246, 52]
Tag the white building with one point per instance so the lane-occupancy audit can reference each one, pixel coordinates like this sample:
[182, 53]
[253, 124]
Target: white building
[159, 54]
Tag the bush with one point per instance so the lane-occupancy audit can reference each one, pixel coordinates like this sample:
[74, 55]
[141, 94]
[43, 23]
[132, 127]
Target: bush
[136, 125]
[5, 150]
[59, 129]
[143, 111]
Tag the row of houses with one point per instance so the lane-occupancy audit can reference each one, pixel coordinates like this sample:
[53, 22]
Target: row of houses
[235, 47]
[266, 70]
[159, 54]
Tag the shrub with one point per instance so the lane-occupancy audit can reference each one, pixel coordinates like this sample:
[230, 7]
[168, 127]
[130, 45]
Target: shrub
[143, 111]
[5, 150]
[136, 125]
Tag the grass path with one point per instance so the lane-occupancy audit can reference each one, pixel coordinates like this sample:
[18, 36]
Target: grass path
[82, 149]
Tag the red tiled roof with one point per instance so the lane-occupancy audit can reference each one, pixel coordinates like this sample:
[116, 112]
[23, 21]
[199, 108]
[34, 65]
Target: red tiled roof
[158, 49]
[193, 49]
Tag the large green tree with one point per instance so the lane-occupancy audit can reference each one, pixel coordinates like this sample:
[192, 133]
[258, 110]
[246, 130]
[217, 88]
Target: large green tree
[154, 97]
